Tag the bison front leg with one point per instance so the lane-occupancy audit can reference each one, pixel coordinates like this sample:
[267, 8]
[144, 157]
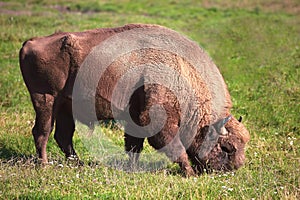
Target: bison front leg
[133, 147]
[184, 164]
[174, 150]
[43, 105]
[64, 130]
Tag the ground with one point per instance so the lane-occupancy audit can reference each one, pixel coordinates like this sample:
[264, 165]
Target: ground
[256, 45]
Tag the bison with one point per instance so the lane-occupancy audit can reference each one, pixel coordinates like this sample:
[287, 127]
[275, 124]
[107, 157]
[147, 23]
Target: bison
[71, 76]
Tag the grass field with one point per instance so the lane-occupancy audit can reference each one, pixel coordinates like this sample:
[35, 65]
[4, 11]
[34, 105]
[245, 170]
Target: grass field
[255, 45]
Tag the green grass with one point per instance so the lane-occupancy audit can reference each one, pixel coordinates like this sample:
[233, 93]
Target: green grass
[256, 47]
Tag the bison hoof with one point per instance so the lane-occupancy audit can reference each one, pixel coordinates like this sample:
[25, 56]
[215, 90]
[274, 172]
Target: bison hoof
[39, 161]
[75, 160]
[189, 172]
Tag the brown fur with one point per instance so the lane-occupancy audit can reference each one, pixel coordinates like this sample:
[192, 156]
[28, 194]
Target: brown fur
[49, 67]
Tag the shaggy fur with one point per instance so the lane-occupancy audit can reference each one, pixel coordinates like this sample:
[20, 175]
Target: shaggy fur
[50, 65]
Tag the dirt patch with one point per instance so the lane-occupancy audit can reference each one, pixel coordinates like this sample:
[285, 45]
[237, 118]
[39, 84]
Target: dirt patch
[61, 8]
[15, 12]
[7, 8]
[16, 9]
[287, 6]
[3, 3]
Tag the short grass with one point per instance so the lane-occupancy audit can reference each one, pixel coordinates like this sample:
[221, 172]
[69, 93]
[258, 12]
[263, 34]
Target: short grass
[255, 45]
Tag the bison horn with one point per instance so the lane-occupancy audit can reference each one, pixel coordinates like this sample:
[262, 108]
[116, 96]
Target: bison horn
[219, 124]
[214, 132]
[226, 119]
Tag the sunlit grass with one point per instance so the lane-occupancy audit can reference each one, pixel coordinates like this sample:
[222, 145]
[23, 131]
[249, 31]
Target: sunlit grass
[256, 47]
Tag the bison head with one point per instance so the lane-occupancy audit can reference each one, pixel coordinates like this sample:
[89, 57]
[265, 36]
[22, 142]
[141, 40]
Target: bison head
[219, 146]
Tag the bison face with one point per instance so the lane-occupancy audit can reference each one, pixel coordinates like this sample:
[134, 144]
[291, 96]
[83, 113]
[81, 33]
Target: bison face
[228, 154]
[220, 146]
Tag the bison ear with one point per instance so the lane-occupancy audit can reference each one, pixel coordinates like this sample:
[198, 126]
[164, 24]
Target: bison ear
[240, 119]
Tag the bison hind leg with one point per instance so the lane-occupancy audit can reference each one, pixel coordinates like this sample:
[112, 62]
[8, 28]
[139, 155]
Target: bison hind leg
[64, 130]
[43, 105]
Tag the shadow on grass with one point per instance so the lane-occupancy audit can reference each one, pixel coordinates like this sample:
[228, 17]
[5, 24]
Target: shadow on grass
[11, 153]
[7, 152]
